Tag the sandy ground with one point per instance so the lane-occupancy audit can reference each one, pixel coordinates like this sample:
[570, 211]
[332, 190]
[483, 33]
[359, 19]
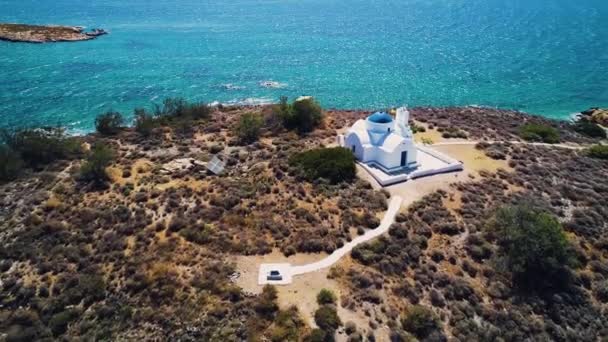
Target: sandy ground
[430, 135]
[302, 292]
[412, 190]
[474, 160]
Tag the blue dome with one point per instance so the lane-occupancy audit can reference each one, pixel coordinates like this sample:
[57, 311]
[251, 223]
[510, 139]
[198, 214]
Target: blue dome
[380, 117]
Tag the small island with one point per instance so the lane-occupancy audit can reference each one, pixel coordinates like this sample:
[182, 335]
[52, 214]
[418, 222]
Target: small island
[43, 34]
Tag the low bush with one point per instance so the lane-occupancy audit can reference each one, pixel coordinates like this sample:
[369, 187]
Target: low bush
[144, 122]
[109, 123]
[196, 234]
[10, 164]
[454, 133]
[266, 304]
[94, 169]
[178, 108]
[248, 128]
[173, 111]
[598, 151]
[590, 129]
[335, 164]
[327, 319]
[326, 296]
[59, 322]
[539, 133]
[287, 326]
[600, 290]
[420, 321]
[41, 146]
[316, 335]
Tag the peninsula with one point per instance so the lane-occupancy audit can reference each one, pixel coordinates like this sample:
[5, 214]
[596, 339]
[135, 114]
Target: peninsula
[44, 34]
[271, 223]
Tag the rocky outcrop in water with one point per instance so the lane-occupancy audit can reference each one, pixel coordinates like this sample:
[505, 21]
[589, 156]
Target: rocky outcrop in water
[43, 34]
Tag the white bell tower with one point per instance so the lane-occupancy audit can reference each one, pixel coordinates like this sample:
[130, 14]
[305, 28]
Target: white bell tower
[402, 126]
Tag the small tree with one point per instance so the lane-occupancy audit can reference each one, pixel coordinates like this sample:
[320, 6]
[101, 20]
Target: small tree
[94, 169]
[532, 243]
[109, 123]
[248, 128]
[327, 319]
[590, 129]
[539, 133]
[325, 296]
[303, 115]
[266, 304]
[420, 321]
[144, 122]
[307, 114]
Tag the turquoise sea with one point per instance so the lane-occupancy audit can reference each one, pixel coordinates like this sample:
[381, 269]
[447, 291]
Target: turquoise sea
[548, 57]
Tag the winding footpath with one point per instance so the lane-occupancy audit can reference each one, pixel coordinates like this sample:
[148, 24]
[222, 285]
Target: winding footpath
[385, 224]
[287, 271]
[515, 142]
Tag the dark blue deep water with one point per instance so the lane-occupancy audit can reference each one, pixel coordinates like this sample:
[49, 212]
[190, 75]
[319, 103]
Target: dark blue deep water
[548, 57]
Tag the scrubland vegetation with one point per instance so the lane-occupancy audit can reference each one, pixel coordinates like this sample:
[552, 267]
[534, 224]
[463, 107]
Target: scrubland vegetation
[475, 262]
[146, 255]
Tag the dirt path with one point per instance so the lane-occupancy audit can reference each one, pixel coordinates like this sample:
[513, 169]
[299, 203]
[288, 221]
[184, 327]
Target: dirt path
[385, 224]
[571, 147]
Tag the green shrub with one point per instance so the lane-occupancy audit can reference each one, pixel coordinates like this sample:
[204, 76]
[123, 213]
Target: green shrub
[303, 115]
[335, 164]
[177, 108]
[417, 129]
[196, 234]
[144, 122]
[94, 169]
[316, 335]
[327, 318]
[173, 111]
[307, 114]
[248, 128]
[109, 123]
[600, 290]
[266, 304]
[590, 129]
[287, 326]
[532, 244]
[325, 296]
[539, 133]
[420, 321]
[59, 322]
[41, 146]
[10, 164]
[598, 151]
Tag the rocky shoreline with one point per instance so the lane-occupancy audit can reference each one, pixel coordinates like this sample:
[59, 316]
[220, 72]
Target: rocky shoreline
[596, 115]
[22, 33]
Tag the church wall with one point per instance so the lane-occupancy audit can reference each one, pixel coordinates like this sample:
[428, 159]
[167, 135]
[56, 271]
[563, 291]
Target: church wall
[353, 140]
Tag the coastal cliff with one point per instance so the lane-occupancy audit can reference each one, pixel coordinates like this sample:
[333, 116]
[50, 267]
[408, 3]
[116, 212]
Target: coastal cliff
[44, 34]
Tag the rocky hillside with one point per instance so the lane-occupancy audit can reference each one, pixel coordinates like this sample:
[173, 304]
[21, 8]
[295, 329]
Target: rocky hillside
[124, 234]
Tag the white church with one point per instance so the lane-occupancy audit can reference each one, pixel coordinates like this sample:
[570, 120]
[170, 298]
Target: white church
[384, 141]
